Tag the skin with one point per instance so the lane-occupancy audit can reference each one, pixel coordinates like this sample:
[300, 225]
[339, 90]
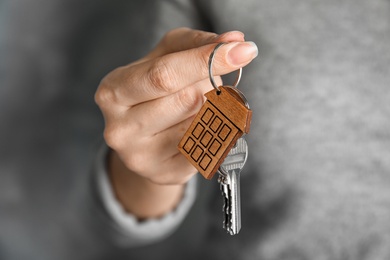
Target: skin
[148, 105]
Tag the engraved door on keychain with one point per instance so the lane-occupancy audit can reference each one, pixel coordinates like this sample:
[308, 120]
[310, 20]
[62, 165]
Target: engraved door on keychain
[222, 120]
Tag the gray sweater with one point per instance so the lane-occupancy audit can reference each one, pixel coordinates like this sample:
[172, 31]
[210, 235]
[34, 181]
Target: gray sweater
[317, 183]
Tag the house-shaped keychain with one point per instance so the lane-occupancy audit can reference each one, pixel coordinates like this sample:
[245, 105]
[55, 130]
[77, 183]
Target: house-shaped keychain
[223, 118]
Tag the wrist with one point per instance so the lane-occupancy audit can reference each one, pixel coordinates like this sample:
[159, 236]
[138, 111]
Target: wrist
[138, 195]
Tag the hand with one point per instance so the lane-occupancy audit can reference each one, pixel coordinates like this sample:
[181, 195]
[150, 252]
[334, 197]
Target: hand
[148, 105]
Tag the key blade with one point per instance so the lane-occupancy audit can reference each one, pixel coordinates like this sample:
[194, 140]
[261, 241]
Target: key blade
[230, 170]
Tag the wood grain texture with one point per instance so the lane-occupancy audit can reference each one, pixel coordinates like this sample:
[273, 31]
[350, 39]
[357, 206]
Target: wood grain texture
[222, 119]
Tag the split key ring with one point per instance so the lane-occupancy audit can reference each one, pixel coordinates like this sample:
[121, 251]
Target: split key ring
[211, 59]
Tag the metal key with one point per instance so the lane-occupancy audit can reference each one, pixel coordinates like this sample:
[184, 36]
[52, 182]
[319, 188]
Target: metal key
[229, 179]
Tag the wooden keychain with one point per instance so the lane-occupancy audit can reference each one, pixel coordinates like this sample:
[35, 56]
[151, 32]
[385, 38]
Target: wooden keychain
[221, 121]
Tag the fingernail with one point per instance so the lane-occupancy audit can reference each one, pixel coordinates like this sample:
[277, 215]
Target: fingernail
[242, 52]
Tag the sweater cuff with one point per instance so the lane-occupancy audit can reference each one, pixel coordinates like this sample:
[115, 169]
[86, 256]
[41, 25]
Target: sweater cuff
[149, 230]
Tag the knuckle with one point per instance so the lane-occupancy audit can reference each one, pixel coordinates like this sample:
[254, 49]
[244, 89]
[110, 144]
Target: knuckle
[188, 99]
[112, 137]
[103, 95]
[161, 76]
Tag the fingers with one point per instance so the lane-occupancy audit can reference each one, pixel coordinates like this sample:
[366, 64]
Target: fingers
[168, 74]
[157, 157]
[165, 112]
[184, 38]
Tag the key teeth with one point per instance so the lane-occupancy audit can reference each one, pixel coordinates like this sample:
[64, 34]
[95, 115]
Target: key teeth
[225, 181]
[226, 208]
[229, 211]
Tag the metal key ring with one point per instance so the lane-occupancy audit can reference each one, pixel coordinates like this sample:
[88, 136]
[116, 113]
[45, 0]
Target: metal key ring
[211, 59]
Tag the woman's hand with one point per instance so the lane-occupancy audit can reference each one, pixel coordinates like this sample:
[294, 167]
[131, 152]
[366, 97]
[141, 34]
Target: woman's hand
[148, 105]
